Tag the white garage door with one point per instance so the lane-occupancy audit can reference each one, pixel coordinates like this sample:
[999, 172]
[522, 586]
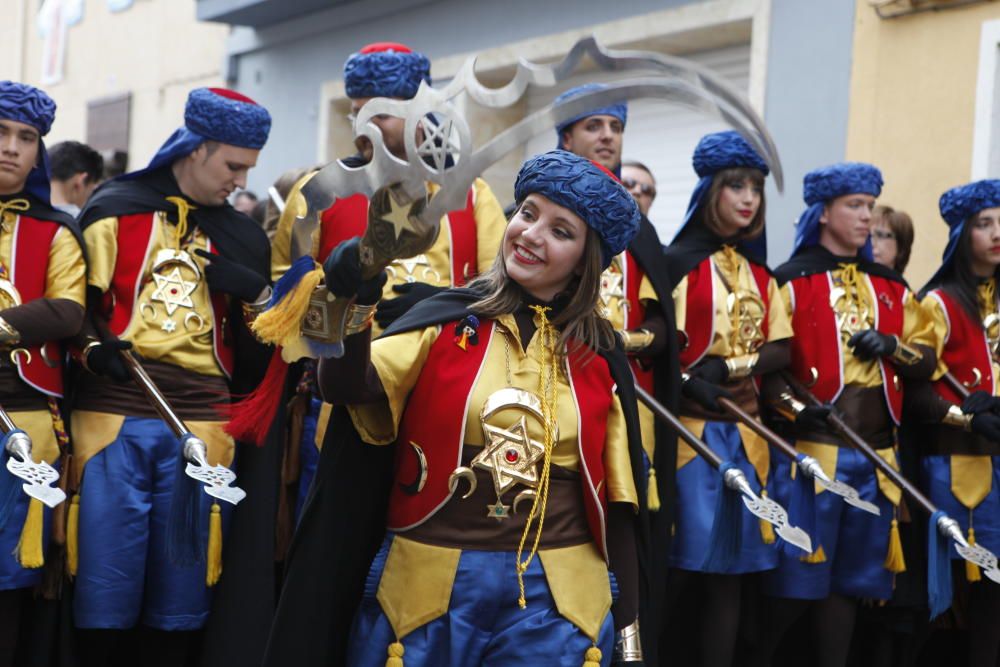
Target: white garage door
[662, 136]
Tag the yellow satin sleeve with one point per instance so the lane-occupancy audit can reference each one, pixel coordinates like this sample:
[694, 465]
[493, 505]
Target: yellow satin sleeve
[101, 240]
[490, 225]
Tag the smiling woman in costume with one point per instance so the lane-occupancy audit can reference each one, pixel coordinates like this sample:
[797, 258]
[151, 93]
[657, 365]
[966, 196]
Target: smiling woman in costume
[733, 328]
[511, 532]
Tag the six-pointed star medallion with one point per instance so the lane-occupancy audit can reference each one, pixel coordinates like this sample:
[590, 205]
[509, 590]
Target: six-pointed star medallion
[510, 456]
[173, 291]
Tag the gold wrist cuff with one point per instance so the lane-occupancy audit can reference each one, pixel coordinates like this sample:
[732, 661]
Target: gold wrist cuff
[252, 310]
[788, 406]
[628, 646]
[9, 336]
[742, 366]
[636, 341]
[359, 318]
[907, 355]
[955, 417]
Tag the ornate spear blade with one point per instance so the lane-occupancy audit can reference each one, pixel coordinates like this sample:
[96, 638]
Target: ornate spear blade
[811, 467]
[974, 553]
[768, 510]
[39, 476]
[217, 479]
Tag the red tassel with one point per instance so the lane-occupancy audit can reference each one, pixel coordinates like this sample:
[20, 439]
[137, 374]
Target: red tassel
[251, 418]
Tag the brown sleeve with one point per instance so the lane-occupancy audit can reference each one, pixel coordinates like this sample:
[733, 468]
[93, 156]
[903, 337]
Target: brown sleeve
[351, 379]
[923, 404]
[624, 562]
[923, 368]
[655, 324]
[43, 320]
[774, 356]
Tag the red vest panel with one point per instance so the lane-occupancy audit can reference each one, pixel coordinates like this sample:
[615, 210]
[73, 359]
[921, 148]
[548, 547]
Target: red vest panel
[435, 419]
[965, 350]
[135, 235]
[816, 336]
[29, 273]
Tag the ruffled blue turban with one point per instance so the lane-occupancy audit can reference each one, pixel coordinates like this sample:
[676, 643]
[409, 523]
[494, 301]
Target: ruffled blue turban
[825, 184]
[385, 69]
[958, 205]
[587, 189]
[29, 105]
[214, 114]
[717, 152]
[619, 111]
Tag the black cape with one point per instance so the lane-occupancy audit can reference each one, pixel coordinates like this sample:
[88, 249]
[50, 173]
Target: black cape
[244, 596]
[817, 259]
[343, 521]
[692, 246]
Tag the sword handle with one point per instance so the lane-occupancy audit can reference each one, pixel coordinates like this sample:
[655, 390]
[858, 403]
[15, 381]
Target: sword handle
[675, 424]
[861, 445]
[956, 385]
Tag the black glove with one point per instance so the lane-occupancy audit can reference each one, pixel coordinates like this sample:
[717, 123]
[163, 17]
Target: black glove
[705, 394]
[106, 359]
[343, 274]
[711, 369]
[987, 424]
[980, 401]
[225, 275]
[411, 294]
[813, 417]
[870, 344]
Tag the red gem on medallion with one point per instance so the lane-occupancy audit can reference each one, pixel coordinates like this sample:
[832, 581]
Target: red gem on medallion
[511, 455]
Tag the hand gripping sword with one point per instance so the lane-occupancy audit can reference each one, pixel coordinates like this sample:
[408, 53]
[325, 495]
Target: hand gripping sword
[404, 217]
[217, 479]
[806, 464]
[947, 526]
[762, 508]
[38, 476]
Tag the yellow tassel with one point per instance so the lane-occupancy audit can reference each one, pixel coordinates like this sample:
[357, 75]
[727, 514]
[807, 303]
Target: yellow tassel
[652, 493]
[284, 320]
[971, 569]
[818, 556]
[593, 657]
[395, 658]
[766, 529]
[213, 568]
[73, 536]
[894, 561]
[29, 547]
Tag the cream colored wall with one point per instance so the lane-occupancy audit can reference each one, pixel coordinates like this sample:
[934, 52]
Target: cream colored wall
[156, 50]
[913, 94]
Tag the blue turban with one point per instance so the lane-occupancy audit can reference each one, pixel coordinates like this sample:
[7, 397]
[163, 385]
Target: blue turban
[958, 205]
[214, 114]
[825, 184]
[587, 189]
[385, 69]
[619, 111]
[29, 105]
[717, 152]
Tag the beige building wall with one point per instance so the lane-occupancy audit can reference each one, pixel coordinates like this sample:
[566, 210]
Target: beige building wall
[155, 49]
[912, 113]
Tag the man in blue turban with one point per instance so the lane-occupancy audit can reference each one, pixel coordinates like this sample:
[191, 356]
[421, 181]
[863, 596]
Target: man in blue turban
[175, 273]
[635, 297]
[859, 333]
[42, 298]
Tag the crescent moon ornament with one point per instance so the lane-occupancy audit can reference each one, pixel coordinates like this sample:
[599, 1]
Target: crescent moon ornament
[168, 256]
[459, 474]
[20, 351]
[417, 485]
[193, 316]
[977, 377]
[527, 494]
[45, 358]
[152, 309]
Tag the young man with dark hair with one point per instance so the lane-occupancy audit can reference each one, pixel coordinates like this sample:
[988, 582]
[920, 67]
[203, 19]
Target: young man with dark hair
[244, 201]
[76, 172]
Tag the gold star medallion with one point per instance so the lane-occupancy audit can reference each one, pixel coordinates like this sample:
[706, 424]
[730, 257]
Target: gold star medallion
[510, 456]
[173, 291]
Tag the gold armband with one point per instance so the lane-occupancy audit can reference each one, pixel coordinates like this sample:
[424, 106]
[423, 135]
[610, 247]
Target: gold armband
[628, 647]
[359, 318]
[788, 406]
[742, 366]
[9, 336]
[637, 340]
[907, 355]
[252, 310]
[955, 417]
